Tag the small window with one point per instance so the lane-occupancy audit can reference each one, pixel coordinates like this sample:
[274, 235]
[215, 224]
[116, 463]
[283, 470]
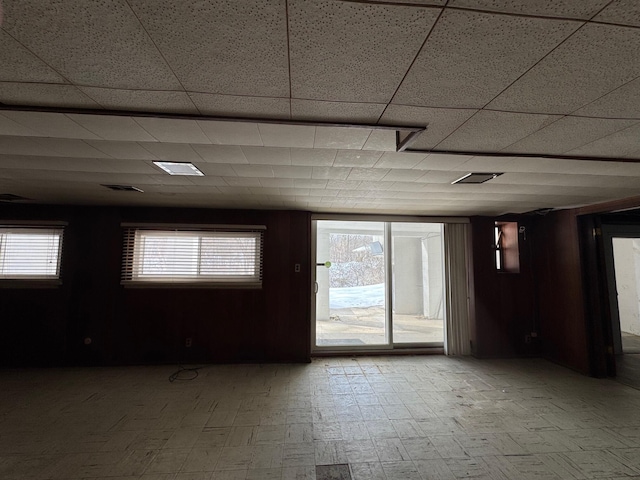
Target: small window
[497, 237]
[182, 257]
[507, 252]
[30, 253]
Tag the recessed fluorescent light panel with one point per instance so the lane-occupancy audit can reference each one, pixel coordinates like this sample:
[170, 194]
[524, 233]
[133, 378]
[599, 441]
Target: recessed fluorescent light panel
[476, 178]
[179, 168]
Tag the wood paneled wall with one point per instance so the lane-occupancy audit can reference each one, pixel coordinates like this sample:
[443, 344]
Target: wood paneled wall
[562, 306]
[134, 325]
[503, 307]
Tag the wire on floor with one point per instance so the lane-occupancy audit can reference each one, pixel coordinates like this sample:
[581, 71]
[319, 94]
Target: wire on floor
[184, 373]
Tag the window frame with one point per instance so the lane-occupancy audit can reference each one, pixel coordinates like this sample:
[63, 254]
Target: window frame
[133, 257]
[33, 228]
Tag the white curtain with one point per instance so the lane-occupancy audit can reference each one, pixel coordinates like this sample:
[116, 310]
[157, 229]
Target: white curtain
[457, 307]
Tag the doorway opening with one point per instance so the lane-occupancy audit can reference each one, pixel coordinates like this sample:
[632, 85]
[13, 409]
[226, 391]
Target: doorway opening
[626, 324]
[378, 285]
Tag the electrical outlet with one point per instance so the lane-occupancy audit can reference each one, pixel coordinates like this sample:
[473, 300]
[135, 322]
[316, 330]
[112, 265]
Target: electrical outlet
[296, 268]
[188, 342]
[527, 339]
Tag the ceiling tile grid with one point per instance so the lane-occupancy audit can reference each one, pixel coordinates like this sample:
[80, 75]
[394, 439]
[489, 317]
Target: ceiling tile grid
[335, 45]
[502, 80]
[594, 61]
[90, 43]
[471, 57]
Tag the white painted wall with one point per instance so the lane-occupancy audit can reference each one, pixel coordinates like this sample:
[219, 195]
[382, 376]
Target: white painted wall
[626, 258]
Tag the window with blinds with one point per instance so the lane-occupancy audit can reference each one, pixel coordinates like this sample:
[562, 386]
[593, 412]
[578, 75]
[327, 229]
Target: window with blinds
[217, 257]
[30, 253]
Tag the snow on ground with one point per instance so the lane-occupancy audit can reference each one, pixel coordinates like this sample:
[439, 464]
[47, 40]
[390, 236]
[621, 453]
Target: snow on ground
[348, 297]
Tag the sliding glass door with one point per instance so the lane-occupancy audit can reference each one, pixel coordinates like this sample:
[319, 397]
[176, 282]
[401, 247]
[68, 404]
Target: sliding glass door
[377, 285]
[351, 284]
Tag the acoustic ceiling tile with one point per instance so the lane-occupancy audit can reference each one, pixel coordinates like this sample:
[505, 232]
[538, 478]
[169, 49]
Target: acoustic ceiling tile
[330, 173]
[440, 122]
[20, 65]
[381, 140]
[623, 143]
[434, 3]
[356, 158]
[400, 160]
[336, 45]
[483, 164]
[113, 127]
[67, 147]
[335, 112]
[369, 174]
[110, 49]
[267, 155]
[48, 124]
[441, 161]
[337, 137]
[172, 130]
[398, 175]
[241, 106]
[257, 171]
[233, 181]
[11, 128]
[348, 185]
[493, 131]
[315, 186]
[172, 152]
[216, 169]
[44, 95]
[129, 166]
[221, 153]
[205, 184]
[276, 182]
[222, 46]
[231, 133]
[313, 157]
[471, 57]
[292, 171]
[567, 134]
[623, 102]
[278, 135]
[141, 100]
[22, 146]
[624, 12]
[584, 9]
[123, 150]
[438, 176]
[30, 162]
[594, 61]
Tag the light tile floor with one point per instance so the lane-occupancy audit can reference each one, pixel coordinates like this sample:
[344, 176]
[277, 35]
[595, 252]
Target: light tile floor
[403, 418]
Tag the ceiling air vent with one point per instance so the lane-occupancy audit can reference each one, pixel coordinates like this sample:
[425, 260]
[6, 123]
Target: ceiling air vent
[123, 188]
[10, 197]
[476, 178]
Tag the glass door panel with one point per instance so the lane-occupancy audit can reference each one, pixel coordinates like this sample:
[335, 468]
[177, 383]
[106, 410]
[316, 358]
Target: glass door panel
[351, 287]
[417, 283]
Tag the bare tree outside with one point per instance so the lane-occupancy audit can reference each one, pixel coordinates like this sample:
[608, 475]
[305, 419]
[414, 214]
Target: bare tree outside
[357, 260]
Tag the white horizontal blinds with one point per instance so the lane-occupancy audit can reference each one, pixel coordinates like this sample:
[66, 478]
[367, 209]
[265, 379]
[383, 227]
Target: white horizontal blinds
[30, 253]
[214, 256]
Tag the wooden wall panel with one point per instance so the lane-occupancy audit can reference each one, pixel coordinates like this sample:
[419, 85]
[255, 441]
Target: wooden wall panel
[132, 325]
[503, 309]
[562, 315]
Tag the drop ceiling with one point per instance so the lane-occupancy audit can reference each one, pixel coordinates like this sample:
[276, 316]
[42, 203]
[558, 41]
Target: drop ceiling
[545, 92]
